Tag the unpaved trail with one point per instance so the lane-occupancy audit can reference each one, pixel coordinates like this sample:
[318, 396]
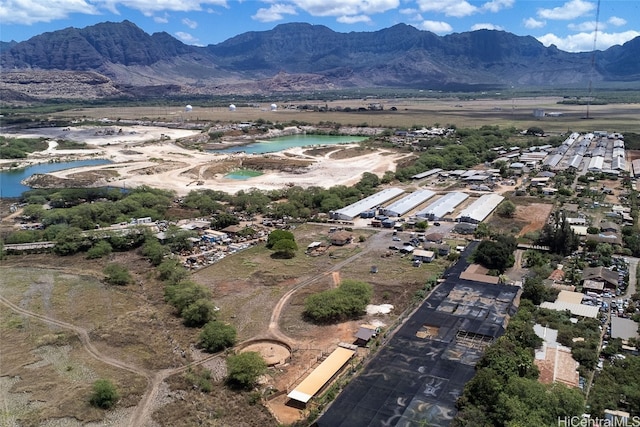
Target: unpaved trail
[274, 324]
[84, 339]
[142, 412]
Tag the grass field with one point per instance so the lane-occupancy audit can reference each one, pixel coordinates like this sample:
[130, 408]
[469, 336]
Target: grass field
[413, 112]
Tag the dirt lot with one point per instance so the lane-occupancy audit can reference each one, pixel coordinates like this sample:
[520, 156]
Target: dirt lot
[531, 215]
[84, 330]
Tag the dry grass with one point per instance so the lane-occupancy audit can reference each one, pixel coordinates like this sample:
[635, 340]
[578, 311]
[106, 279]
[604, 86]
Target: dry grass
[134, 324]
[516, 112]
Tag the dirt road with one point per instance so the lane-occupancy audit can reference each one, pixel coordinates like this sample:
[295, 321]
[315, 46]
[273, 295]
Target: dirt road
[274, 324]
[141, 415]
[142, 411]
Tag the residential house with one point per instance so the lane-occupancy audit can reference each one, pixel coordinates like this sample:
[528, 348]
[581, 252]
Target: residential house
[340, 238]
[601, 274]
[434, 237]
[609, 226]
[423, 255]
[593, 286]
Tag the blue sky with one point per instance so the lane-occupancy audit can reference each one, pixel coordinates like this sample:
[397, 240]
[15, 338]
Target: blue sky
[569, 24]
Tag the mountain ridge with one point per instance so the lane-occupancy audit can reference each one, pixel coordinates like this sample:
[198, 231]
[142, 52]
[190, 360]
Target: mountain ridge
[399, 56]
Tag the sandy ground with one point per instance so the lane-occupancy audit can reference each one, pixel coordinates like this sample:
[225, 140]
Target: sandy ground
[142, 155]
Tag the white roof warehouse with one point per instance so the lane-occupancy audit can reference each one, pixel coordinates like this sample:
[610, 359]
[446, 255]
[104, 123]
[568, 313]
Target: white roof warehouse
[479, 210]
[443, 206]
[348, 213]
[408, 202]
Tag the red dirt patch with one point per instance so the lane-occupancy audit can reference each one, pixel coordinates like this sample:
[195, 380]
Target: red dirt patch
[536, 215]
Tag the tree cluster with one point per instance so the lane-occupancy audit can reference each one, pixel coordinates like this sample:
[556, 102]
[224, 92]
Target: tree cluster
[217, 336]
[559, 236]
[505, 390]
[496, 254]
[191, 300]
[76, 225]
[283, 243]
[347, 301]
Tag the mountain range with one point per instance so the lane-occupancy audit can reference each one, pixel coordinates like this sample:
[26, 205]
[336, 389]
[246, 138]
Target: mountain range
[298, 57]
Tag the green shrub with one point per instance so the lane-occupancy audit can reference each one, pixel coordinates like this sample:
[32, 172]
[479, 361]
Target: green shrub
[244, 369]
[99, 250]
[217, 336]
[104, 395]
[117, 275]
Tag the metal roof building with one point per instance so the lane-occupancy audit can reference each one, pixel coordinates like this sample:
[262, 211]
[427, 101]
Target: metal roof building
[623, 328]
[575, 161]
[635, 166]
[575, 309]
[618, 152]
[552, 160]
[480, 209]
[596, 164]
[348, 213]
[443, 206]
[619, 163]
[426, 174]
[321, 375]
[408, 202]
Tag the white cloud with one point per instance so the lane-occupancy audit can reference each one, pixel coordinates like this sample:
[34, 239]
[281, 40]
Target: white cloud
[532, 23]
[571, 10]
[161, 19]
[148, 7]
[409, 11]
[274, 13]
[354, 19]
[189, 23]
[617, 22]
[497, 5]
[586, 26]
[186, 37]
[455, 8]
[32, 11]
[28, 12]
[583, 42]
[346, 7]
[436, 26]
[486, 26]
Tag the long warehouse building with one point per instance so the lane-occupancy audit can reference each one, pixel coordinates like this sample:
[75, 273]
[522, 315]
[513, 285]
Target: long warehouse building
[596, 164]
[408, 202]
[443, 206]
[479, 210]
[348, 213]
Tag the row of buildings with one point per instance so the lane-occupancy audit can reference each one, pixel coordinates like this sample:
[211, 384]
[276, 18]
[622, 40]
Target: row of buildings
[388, 203]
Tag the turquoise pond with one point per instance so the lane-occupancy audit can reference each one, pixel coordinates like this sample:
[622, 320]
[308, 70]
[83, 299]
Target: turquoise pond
[286, 142]
[10, 180]
[242, 174]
